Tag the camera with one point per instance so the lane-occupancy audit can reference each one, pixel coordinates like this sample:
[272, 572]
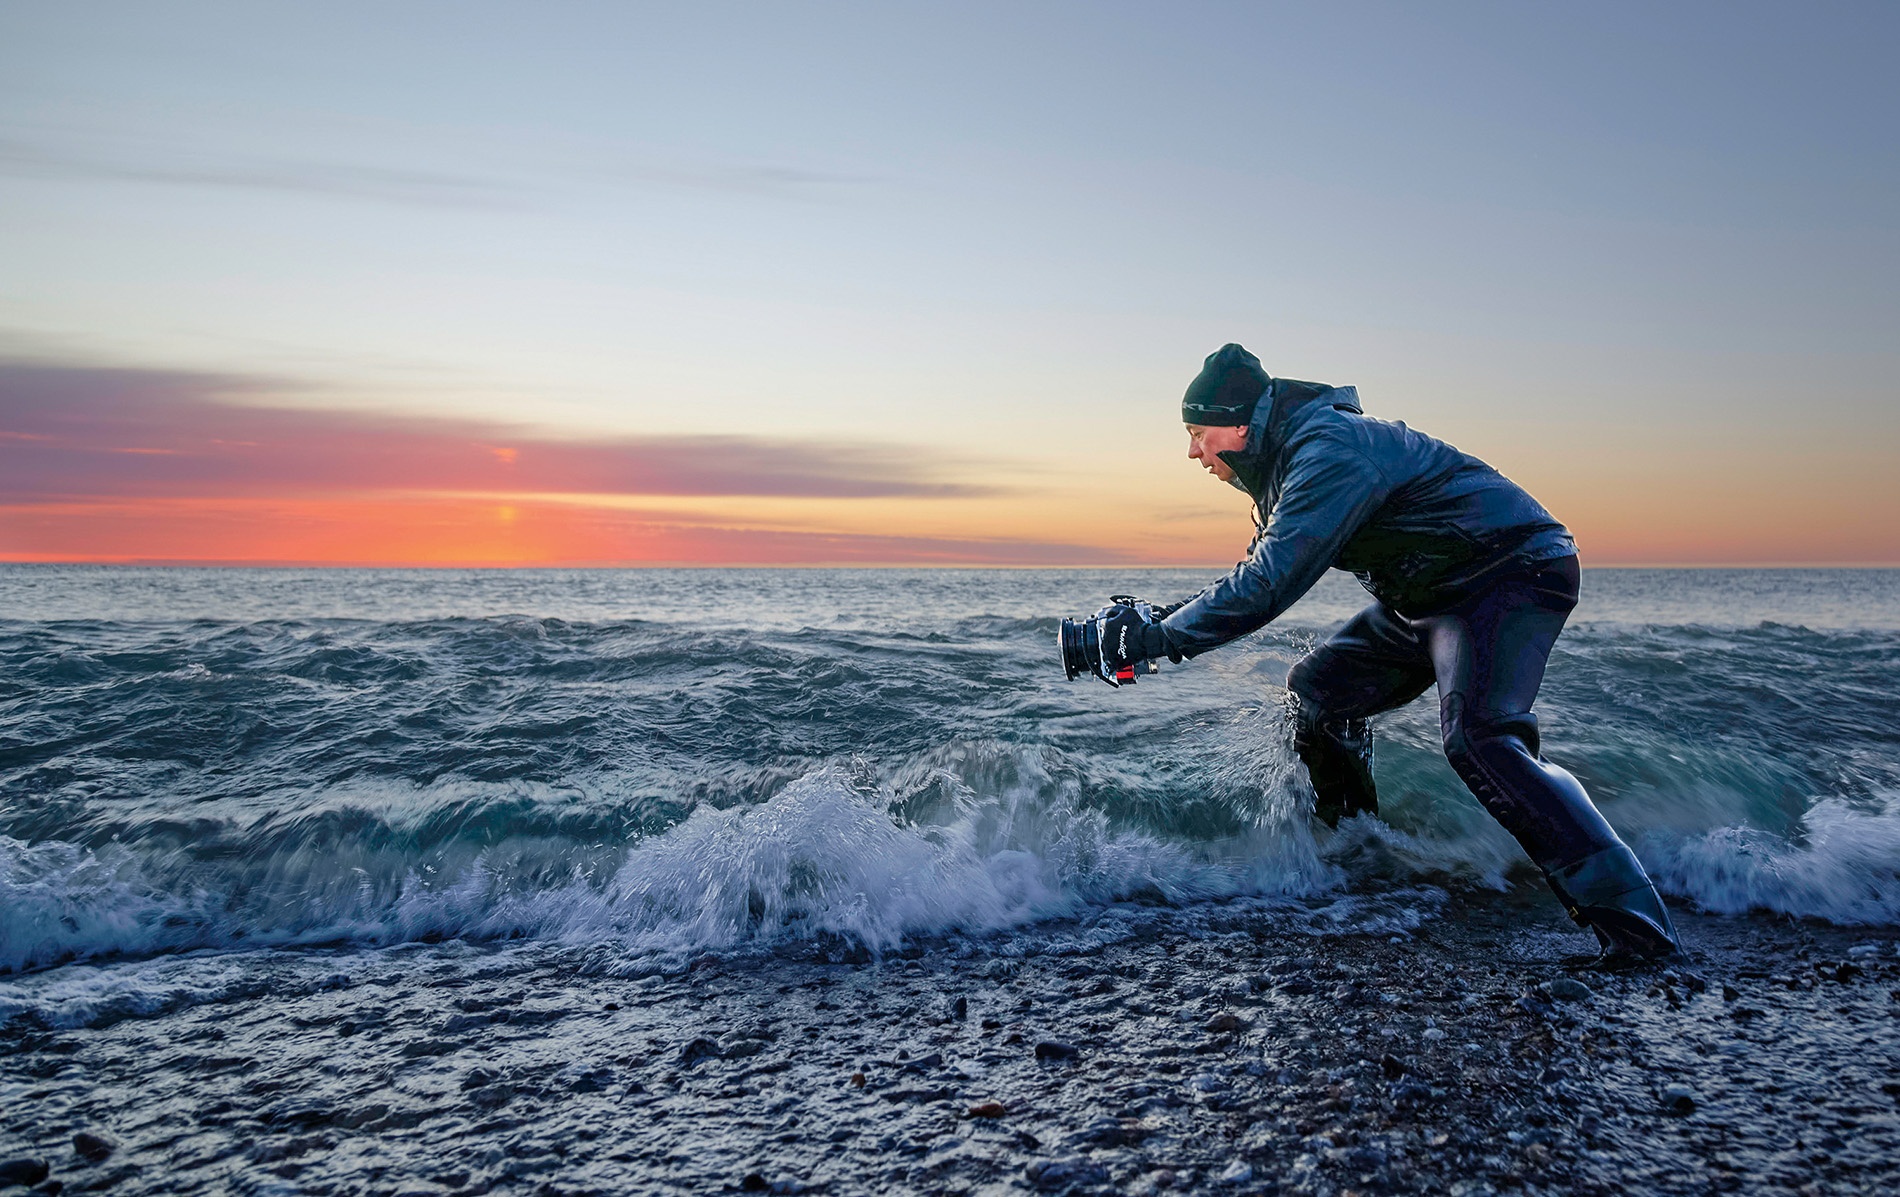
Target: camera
[1079, 641]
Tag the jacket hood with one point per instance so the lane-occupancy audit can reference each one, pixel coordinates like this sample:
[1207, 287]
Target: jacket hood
[1288, 402]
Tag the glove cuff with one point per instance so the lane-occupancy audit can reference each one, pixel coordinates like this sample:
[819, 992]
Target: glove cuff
[1155, 642]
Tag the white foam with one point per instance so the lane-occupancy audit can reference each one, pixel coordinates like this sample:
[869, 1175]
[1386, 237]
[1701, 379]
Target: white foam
[822, 857]
[64, 901]
[1843, 866]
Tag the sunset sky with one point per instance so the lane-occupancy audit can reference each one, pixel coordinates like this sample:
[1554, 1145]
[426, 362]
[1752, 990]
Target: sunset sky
[599, 284]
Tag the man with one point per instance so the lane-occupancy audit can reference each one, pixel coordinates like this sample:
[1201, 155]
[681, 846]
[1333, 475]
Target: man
[1473, 581]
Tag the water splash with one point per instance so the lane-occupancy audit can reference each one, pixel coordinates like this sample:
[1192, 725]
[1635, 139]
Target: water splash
[1844, 865]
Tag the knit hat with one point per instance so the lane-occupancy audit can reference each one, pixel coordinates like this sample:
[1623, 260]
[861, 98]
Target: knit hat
[1223, 394]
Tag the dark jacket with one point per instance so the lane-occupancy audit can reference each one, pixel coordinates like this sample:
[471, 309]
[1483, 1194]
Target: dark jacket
[1421, 524]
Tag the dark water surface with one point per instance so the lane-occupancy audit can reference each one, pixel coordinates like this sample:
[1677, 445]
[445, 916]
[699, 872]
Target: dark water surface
[664, 763]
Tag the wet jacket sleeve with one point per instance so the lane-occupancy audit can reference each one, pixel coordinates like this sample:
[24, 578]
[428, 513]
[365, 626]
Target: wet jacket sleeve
[1331, 488]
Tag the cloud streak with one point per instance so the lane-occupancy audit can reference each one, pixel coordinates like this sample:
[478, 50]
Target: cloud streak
[330, 180]
[73, 431]
[60, 158]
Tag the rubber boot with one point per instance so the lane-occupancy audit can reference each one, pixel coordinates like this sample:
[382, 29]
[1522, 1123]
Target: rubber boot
[1608, 892]
[1338, 758]
[1591, 870]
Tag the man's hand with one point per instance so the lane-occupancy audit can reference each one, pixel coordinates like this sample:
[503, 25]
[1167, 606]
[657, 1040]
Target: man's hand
[1155, 641]
[1128, 633]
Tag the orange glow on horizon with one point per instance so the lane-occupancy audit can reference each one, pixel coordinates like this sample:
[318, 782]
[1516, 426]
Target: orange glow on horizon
[543, 531]
[467, 531]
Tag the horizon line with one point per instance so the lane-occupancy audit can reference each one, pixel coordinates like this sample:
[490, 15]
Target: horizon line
[289, 564]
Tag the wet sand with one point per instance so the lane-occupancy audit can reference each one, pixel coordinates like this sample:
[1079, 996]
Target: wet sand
[1244, 1047]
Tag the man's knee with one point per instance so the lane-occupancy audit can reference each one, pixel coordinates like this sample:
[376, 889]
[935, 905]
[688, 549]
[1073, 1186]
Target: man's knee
[1474, 739]
[1304, 679]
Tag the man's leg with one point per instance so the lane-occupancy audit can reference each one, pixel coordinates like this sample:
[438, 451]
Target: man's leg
[1489, 655]
[1373, 664]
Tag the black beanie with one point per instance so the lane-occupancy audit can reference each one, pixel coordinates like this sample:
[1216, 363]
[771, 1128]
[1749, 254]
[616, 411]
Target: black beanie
[1223, 394]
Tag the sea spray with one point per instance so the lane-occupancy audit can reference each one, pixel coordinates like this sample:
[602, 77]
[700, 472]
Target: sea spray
[1844, 866]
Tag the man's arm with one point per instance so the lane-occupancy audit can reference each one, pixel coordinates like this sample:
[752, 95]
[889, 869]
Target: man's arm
[1331, 489]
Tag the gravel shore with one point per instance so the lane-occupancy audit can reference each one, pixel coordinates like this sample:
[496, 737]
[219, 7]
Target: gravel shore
[1242, 1047]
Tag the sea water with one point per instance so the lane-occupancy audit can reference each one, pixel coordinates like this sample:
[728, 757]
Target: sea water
[657, 764]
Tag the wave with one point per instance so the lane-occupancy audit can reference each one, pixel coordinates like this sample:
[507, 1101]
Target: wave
[1842, 865]
[833, 854]
[837, 857]
[670, 788]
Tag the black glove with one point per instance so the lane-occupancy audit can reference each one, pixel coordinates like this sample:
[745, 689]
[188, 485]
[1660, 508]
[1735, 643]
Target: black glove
[1155, 641]
[1127, 633]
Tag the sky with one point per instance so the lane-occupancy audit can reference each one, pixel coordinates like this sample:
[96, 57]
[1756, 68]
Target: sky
[600, 284]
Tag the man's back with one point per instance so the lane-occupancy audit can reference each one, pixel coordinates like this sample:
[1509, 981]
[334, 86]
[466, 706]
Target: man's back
[1447, 519]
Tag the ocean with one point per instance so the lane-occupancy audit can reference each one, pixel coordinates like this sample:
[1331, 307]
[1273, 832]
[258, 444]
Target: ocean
[800, 880]
[665, 763]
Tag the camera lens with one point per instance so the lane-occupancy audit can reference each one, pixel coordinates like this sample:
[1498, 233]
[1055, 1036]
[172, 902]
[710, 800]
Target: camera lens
[1077, 643]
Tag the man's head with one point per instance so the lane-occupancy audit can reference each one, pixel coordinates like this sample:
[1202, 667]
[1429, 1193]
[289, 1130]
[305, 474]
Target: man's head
[1219, 405]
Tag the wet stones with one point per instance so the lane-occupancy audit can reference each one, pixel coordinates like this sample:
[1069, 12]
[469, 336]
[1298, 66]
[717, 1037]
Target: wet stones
[1843, 973]
[925, 1063]
[94, 1149]
[1112, 1132]
[1568, 989]
[1314, 1098]
[1055, 1050]
[923, 1094]
[1052, 1175]
[590, 1080]
[697, 1050]
[23, 1170]
[1679, 1100]
[1534, 1004]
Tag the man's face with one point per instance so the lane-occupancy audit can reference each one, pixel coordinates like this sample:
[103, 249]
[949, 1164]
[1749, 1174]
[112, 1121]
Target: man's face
[1205, 445]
